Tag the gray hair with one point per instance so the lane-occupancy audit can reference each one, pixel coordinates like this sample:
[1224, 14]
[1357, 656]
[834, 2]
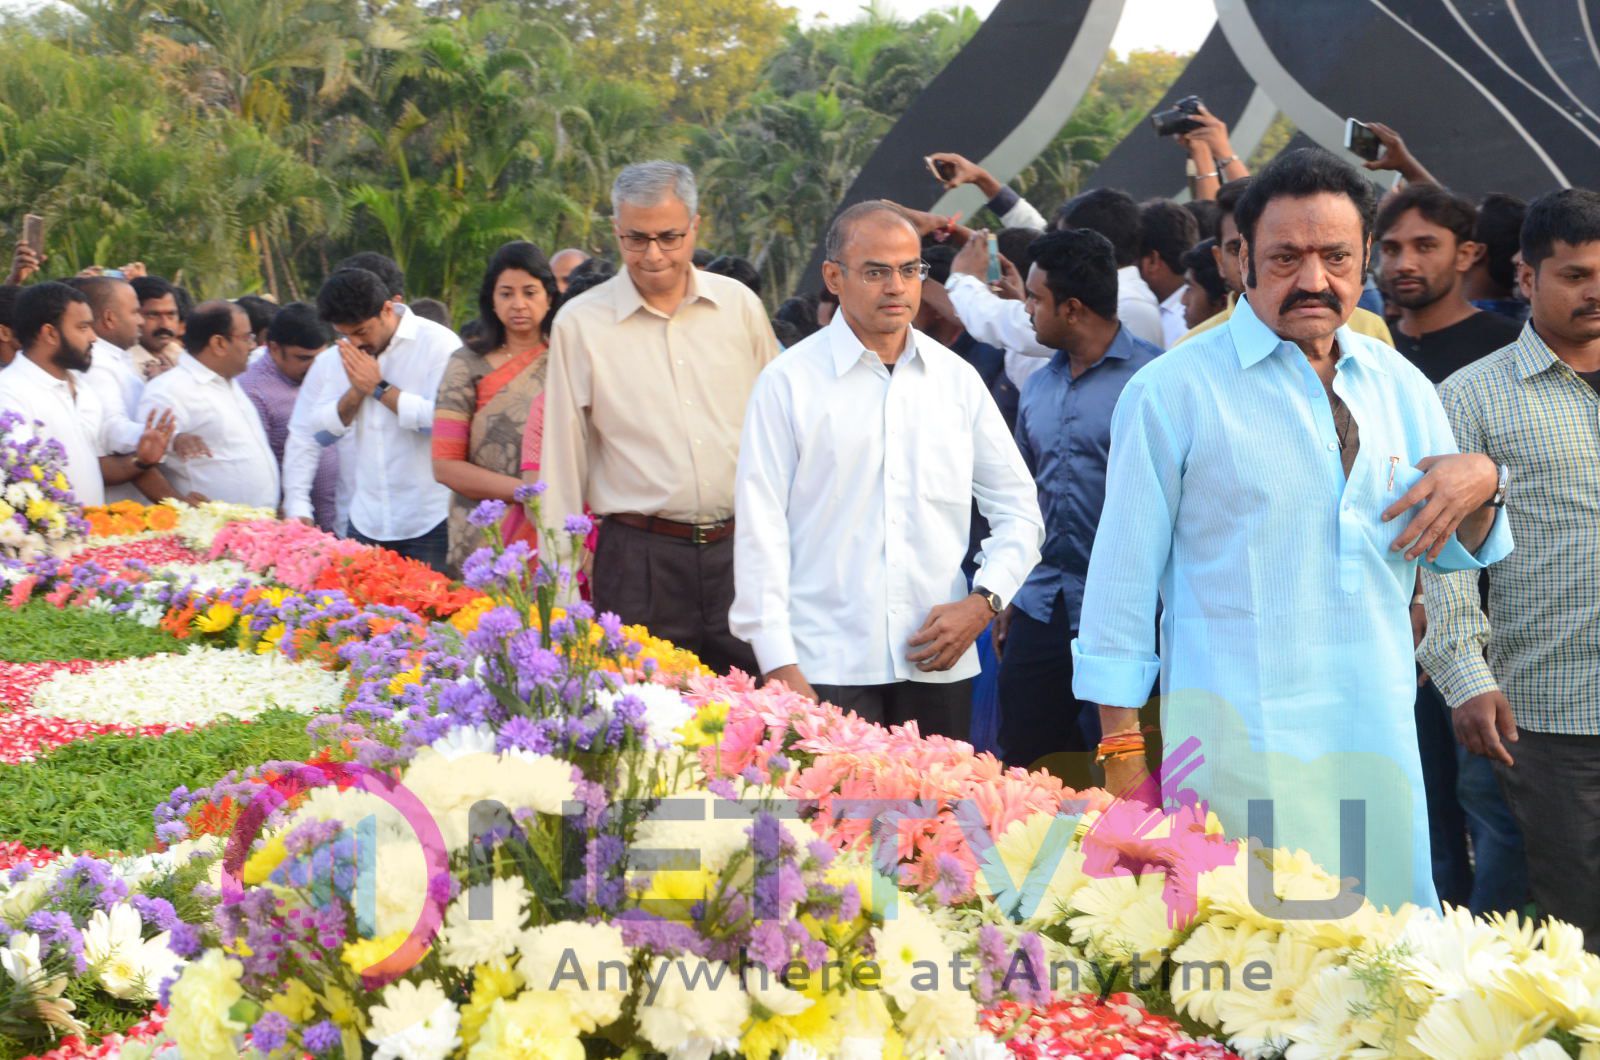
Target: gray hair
[844, 225]
[649, 183]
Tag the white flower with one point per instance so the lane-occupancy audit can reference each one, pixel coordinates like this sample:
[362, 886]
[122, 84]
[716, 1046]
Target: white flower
[20, 957]
[586, 963]
[906, 946]
[982, 1047]
[698, 1005]
[451, 787]
[1327, 1026]
[128, 965]
[468, 942]
[465, 740]
[664, 709]
[1260, 1007]
[1470, 1027]
[22, 898]
[1123, 917]
[199, 686]
[414, 1022]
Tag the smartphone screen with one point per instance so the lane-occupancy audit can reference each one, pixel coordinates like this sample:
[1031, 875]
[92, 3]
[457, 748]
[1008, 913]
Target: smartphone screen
[1361, 140]
[994, 260]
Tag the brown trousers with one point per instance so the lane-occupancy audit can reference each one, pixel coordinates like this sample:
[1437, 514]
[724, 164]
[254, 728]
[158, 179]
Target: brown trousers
[678, 590]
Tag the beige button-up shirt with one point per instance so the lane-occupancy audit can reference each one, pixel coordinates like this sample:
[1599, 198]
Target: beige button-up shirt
[643, 411]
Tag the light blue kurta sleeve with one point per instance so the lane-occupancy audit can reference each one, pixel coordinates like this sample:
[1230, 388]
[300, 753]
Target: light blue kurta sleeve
[1455, 557]
[1114, 661]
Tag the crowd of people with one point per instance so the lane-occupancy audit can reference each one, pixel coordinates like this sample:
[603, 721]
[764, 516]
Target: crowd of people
[1231, 466]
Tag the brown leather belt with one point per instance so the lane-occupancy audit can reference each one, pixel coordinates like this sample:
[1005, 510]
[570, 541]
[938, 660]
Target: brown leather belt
[709, 534]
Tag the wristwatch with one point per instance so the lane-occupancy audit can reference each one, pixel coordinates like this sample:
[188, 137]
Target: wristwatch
[1499, 498]
[381, 389]
[992, 599]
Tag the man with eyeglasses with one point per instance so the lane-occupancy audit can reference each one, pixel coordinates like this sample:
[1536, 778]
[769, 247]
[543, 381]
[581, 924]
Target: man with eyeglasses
[206, 401]
[649, 375]
[864, 447]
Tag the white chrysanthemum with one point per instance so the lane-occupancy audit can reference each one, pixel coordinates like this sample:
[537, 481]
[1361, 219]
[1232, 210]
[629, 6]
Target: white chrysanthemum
[465, 740]
[1122, 917]
[710, 826]
[1292, 876]
[905, 946]
[1453, 954]
[938, 1019]
[414, 1021]
[198, 686]
[696, 1004]
[468, 942]
[401, 873]
[1040, 866]
[1260, 1007]
[981, 1047]
[664, 709]
[128, 965]
[1328, 1023]
[1469, 1027]
[451, 787]
[1207, 966]
[350, 808]
[586, 963]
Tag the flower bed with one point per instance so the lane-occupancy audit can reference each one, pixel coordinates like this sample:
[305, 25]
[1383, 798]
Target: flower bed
[483, 857]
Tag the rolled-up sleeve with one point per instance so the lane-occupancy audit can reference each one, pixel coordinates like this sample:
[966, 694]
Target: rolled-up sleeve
[1454, 427]
[1007, 497]
[1114, 661]
[768, 456]
[992, 319]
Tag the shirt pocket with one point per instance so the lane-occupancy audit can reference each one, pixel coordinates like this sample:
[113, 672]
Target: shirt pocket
[944, 457]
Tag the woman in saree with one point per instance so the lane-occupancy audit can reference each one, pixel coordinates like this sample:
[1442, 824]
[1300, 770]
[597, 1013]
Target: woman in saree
[492, 390]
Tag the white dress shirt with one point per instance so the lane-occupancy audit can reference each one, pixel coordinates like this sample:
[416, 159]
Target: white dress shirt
[854, 492]
[1005, 323]
[71, 414]
[1173, 320]
[241, 468]
[395, 496]
[117, 381]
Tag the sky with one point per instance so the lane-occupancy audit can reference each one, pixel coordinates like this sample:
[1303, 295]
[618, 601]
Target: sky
[1176, 25]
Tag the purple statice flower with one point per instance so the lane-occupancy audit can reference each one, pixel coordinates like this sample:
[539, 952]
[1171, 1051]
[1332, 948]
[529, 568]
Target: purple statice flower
[155, 911]
[184, 940]
[270, 1033]
[524, 734]
[768, 945]
[821, 852]
[322, 1038]
[562, 628]
[534, 663]
[993, 960]
[658, 935]
[477, 571]
[91, 878]
[487, 513]
[849, 902]
[1029, 982]
[495, 625]
[954, 882]
[611, 626]
[723, 787]
[527, 492]
[581, 611]
[510, 564]
[766, 837]
[578, 525]
[56, 930]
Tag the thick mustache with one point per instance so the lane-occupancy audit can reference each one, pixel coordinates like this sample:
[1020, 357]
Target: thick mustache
[1322, 298]
[159, 332]
[1586, 311]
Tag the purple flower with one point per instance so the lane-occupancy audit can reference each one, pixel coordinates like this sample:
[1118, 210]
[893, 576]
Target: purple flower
[487, 514]
[579, 525]
[478, 569]
[270, 1032]
[954, 882]
[527, 492]
[184, 940]
[321, 1038]
[155, 911]
[766, 837]
[768, 945]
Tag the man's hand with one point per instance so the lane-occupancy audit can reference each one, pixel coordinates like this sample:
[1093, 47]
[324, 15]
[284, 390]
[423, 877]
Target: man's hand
[195, 498]
[360, 366]
[89, 271]
[928, 224]
[967, 172]
[1455, 487]
[1396, 156]
[1011, 285]
[973, 259]
[1480, 723]
[25, 261]
[948, 632]
[1002, 629]
[796, 681]
[158, 429]
[1213, 133]
[134, 270]
[190, 447]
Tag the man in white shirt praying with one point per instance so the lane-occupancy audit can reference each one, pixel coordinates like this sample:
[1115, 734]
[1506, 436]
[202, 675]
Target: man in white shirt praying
[206, 401]
[44, 383]
[378, 382]
[863, 449]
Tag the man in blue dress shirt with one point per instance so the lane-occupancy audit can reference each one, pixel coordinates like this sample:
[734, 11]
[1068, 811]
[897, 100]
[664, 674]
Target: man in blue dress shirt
[1064, 432]
[1276, 480]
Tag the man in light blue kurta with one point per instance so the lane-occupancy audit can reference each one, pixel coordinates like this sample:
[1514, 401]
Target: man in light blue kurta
[1285, 640]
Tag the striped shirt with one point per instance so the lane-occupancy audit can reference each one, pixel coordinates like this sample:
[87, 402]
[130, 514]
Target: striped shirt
[1529, 410]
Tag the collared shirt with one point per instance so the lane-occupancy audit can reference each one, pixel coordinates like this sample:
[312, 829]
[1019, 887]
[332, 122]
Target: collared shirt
[643, 410]
[1004, 322]
[1064, 432]
[1286, 645]
[854, 493]
[241, 468]
[1361, 322]
[118, 384]
[395, 494]
[1173, 319]
[1528, 409]
[69, 412]
[273, 394]
[151, 363]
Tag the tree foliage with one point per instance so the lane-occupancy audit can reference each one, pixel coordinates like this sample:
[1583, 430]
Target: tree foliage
[241, 145]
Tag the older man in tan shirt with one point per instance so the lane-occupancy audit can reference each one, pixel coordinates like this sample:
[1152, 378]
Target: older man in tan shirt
[649, 376]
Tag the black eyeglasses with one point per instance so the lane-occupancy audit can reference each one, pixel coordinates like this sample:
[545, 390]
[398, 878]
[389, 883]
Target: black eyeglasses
[638, 241]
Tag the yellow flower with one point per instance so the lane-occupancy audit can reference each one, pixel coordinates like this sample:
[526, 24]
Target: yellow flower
[263, 861]
[399, 681]
[41, 510]
[364, 953]
[269, 640]
[490, 983]
[466, 619]
[1474, 1028]
[780, 1016]
[295, 1000]
[705, 728]
[60, 481]
[218, 617]
[37, 472]
[341, 1008]
[1122, 917]
[199, 1020]
[536, 1026]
